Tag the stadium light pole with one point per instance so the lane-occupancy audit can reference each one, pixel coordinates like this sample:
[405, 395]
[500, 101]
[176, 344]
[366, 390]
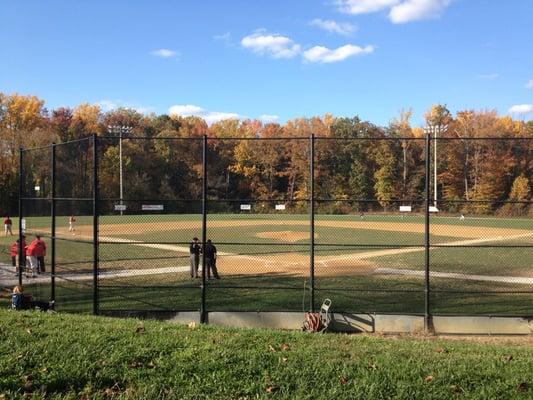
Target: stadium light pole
[434, 130]
[120, 129]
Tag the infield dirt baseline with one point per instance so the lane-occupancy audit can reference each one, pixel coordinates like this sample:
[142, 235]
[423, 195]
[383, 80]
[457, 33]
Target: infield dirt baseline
[298, 264]
[301, 267]
[459, 231]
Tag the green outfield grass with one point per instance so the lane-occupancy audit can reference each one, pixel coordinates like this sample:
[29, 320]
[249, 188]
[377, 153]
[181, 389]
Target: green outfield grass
[259, 290]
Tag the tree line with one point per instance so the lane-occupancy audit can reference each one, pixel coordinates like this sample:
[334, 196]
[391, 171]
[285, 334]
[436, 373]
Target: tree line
[359, 166]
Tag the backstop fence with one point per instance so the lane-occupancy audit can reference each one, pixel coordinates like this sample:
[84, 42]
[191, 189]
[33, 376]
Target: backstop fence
[424, 226]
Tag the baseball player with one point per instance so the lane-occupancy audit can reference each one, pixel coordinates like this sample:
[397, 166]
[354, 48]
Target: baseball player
[8, 225]
[195, 250]
[31, 258]
[14, 252]
[40, 252]
[71, 223]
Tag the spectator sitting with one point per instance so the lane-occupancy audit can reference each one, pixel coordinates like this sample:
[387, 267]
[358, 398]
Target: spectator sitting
[22, 301]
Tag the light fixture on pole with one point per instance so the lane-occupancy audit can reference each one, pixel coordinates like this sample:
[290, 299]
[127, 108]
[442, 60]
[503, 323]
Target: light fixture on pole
[120, 130]
[435, 130]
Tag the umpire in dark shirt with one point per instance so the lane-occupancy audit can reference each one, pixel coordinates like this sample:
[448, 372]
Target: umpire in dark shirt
[194, 249]
[210, 254]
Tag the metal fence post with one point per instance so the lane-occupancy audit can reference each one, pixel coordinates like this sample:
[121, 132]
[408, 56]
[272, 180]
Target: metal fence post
[312, 218]
[203, 311]
[95, 224]
[53, 228]
[21, 234]
[427, 313]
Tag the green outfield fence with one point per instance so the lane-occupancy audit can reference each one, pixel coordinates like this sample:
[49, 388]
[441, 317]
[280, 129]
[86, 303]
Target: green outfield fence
[294, 219]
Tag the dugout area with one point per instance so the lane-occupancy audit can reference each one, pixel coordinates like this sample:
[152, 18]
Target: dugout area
[281, 253]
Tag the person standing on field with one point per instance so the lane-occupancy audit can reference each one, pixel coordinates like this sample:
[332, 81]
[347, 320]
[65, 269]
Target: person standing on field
[8, 224]
[31, 258]
[40, 252]
[71, 223]
[210, 254]
[195, 249]
[14, 252]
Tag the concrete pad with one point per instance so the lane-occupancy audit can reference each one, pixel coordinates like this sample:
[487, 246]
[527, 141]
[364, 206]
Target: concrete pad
[280, 320]
[399, 323]
[344, 322]
[482, 325]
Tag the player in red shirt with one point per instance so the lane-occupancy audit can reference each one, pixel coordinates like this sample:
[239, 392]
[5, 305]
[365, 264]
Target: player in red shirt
[40, 252]
[8, 225]
[31, 257]
[14, 252]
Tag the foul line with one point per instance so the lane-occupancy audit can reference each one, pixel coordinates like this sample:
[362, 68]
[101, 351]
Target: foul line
[453, 275]
[381, 253]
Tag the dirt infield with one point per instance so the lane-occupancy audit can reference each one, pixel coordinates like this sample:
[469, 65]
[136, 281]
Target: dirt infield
[459, 231]
[285, 236]
[295, 263]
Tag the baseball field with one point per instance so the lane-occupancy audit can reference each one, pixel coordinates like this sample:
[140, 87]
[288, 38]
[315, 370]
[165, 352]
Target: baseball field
[364, 263]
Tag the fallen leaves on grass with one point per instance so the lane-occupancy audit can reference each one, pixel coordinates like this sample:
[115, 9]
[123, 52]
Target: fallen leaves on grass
[140, 329]
[282, 347]
[456, 389]
[343, 380]
[272, 389]
[522, 386]
[135, 364]
[192, 325]
[284, 359]
[373, 366]
[508, 358]
[441, 350]
[113, 391]
[428, 378]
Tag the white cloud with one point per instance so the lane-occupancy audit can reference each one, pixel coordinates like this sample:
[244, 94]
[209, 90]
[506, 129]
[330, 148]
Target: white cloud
[321, 54]
[274, 45]
[164, 53]
[110, 105]
[266, 118]
[521, 109]
[364, 6]
[189, 110]
[400, 11]
[210, 117]
[489, 77]
[416, 10]
[529, 85]
[342, 28]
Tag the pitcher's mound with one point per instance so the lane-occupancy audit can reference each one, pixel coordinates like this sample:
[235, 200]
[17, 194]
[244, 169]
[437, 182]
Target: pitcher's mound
[286, 236]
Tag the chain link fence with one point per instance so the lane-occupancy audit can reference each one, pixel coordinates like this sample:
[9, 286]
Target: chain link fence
[375, 224]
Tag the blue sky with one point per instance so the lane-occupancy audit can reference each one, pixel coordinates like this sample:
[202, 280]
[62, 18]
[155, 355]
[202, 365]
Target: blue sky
[272, 59]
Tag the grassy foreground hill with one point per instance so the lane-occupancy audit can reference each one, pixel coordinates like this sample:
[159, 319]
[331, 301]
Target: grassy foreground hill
[62, 356]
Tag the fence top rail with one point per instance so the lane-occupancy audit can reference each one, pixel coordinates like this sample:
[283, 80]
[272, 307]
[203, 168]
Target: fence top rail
[24, 149]
[46, 146]
[88, 138]
[256, 138]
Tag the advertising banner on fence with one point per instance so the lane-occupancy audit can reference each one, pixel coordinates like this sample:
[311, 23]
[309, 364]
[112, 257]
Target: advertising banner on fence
[152, 207]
